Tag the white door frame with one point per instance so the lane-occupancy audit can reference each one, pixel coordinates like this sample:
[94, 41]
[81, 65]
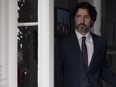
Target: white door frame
[8, 44]
[46, 43]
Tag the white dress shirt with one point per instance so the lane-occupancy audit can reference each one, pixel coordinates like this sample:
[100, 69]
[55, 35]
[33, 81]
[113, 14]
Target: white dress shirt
[89, 44]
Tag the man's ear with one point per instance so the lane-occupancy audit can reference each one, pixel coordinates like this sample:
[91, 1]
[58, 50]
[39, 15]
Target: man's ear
[92, 23]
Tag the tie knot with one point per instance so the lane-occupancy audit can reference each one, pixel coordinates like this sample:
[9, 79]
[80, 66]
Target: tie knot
[83, 38]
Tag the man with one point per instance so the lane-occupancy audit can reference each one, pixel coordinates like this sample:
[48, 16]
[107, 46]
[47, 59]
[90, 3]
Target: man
[80, 59]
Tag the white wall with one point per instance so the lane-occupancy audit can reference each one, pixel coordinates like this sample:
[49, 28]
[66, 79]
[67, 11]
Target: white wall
[97, 25]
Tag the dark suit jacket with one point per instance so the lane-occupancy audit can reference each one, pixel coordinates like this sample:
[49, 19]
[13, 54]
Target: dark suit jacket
[71, 70]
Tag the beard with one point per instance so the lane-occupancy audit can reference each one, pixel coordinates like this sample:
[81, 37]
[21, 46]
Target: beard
[82, 28]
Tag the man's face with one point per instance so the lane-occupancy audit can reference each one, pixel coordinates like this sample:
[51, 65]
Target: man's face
[83, 20]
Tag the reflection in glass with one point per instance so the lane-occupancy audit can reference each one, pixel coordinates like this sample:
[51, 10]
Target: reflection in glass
[27, 10]
[27, 56]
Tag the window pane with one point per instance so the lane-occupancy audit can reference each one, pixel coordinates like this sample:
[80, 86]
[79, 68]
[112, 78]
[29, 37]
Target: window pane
[27, 56]
[27, 10]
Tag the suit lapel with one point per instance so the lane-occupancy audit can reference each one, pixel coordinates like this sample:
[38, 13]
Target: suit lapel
[77, 49]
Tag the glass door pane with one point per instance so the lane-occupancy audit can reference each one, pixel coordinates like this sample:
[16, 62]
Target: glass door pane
[27, 10]
[27, 56]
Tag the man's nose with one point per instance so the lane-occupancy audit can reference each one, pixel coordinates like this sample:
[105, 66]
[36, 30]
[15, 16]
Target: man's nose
[82, 20]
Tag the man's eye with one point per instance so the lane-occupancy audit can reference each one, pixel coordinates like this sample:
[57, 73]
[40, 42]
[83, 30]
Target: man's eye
[77, 16]
[87, 17]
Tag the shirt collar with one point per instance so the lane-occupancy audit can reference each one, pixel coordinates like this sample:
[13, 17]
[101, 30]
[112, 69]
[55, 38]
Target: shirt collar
[88, 36]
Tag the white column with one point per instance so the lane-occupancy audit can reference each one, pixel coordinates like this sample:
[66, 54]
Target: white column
[97, 25]
[45, 43]
[8, 45]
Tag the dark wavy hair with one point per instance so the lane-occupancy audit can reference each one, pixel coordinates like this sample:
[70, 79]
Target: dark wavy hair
[85, 5]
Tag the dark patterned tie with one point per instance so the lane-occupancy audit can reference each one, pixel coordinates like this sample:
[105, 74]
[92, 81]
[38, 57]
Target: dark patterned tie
[84, 50]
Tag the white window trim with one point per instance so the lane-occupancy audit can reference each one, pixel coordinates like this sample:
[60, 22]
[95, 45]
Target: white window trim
[28, 24]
